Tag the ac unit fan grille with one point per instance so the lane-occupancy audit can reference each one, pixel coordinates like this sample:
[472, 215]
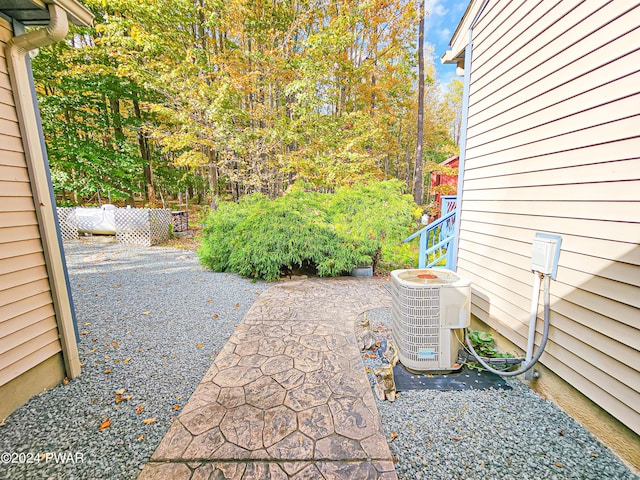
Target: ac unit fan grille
[416, 322]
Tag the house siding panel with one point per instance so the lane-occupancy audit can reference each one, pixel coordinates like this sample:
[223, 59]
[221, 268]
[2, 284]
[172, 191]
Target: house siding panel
[577, 45]
[15, 234]
[21, 277]
[11, 159]
[27, 319]
[552, 146]
[28, 330]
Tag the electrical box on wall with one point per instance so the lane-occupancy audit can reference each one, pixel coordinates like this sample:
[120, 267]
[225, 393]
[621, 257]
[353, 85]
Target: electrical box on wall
[545, 254]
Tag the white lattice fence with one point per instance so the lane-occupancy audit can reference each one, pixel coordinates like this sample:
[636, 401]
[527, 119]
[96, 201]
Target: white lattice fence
[142, 226]
[68, 223]
[159, 223]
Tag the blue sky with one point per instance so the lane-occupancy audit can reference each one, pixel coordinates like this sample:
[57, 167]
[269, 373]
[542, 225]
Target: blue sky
[444, 16]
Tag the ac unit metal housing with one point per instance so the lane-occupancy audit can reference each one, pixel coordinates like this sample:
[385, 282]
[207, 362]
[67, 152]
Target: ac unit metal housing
[427, 305]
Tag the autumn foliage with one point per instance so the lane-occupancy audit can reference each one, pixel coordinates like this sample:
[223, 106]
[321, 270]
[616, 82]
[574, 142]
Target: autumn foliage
[236, 97]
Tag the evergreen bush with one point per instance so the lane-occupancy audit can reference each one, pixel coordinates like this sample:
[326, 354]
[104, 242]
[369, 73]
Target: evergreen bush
[332, 233]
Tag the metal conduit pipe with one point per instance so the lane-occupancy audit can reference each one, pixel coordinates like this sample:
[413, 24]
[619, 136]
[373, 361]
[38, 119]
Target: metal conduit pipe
[531, 359]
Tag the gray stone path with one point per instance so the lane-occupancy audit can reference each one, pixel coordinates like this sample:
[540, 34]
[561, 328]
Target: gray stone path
[287, 397]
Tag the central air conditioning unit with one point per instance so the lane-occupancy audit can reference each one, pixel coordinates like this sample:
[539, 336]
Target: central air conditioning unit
[427, 305]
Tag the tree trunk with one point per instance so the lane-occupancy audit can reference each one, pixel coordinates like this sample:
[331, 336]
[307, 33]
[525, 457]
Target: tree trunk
[117, 121]
[145, 154]
[418, 182]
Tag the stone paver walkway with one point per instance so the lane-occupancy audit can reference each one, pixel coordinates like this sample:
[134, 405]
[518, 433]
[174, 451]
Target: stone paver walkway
[287, 397]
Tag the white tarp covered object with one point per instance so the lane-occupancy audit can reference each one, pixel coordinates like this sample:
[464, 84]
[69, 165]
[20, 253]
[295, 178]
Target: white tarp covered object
[96, 220]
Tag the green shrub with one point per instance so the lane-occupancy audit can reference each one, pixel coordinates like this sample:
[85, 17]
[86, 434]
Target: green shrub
[218, 240]
[378, 216]
[332, 233]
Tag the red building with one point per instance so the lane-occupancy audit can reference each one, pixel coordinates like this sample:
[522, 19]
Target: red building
[443, 182]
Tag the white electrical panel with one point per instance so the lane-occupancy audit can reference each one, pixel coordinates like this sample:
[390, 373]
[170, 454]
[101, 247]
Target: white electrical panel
[545, 254]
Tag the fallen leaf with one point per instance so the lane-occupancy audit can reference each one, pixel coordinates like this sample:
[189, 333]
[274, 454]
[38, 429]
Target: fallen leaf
[209, 301]
[126, 360]
[146, 313]
[237, 305]
[87, 324]
[121, 391]
[558, 464]
[370, 355]
[149, 421]
[65, 381]
[393, 436]
[368, 370]
[118, 398]
[595, 455]
[106, 423]
[93, 349]
[179, 397]
[200, 345]
[84, 332]
[457, 439]
[176, 407]
[139, 409]
[141, 438]
[215, 315]
[127, 397]
[108, 370]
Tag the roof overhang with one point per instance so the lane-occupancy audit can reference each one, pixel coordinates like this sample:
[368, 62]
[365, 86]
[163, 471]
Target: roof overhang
[460, 38]
[35, 12]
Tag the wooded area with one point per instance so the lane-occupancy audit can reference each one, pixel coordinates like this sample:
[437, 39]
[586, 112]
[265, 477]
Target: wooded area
[223, 99]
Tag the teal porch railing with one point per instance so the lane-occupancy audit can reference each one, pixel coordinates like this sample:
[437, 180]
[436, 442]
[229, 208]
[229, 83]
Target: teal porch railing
[436, 242]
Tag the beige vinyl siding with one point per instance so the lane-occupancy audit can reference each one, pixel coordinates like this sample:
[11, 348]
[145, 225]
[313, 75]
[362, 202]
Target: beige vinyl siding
[553, 145]
[28, 330]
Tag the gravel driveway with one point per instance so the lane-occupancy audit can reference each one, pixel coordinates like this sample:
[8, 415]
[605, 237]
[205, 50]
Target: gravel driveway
[151, 322]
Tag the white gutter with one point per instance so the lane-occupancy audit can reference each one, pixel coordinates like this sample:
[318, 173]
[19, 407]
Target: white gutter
[77, 13]
[17, 51]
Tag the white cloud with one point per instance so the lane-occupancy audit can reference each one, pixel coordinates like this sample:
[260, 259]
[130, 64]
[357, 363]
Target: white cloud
[439, 10]
[444, 34]
[435, 7]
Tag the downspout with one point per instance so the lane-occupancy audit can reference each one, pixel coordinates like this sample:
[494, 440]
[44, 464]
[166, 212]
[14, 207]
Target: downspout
[18, 63]
[468, 53]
